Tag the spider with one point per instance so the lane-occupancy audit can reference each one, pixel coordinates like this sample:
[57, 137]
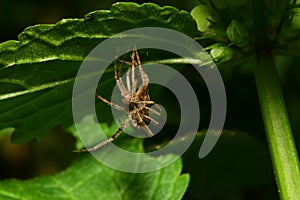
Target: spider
[136, 100]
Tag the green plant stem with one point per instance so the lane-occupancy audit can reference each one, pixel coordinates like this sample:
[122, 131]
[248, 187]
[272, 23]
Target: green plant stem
[279, 134]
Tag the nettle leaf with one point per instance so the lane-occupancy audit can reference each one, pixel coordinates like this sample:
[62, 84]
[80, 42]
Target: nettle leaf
[87, 178]
[37, 72]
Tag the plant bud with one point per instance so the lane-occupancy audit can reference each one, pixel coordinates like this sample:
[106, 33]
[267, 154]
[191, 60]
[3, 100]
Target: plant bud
[209, 23]
[290, 28]
[205, 18]
[237, 32]
[221, 53]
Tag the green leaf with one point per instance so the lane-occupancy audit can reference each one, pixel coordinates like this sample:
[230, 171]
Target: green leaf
[37, 72]
[86, 178]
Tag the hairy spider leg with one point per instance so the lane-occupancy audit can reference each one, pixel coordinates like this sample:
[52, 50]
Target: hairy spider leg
[139, 112]
[142, 123]
[116, 106]
[145, 102]
[105, 142]
[119, 81]
[128, 81]
[133, 80]
[131, 86]
[146, 128]
[151, 120]
[153, 111]
[148, 118]
[150, 109]
[144, 76]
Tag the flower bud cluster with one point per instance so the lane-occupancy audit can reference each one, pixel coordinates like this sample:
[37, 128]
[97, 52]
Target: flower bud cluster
[228, 27]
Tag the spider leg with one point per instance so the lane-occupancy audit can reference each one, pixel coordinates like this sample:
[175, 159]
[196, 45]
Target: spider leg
[98, 146]
[105, 142]
[125, 62]
[158, 111]
[116, 106]
[119, 81]
[147, 130]
[148, 108]
[151, 120]
[145, 102]
[140, 111]
[144, 76]
[128, 80]
[133, 80]
[143, 125]
[153, 111]
[158, 108]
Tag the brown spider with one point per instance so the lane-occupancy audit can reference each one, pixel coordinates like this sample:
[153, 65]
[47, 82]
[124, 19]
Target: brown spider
[136, 100]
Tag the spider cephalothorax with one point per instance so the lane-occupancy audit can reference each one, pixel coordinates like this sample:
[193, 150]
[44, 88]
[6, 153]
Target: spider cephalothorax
[136, 99]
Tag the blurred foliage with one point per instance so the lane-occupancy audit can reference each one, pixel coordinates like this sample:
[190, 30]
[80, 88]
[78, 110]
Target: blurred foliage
[238, 167]
[47, 156]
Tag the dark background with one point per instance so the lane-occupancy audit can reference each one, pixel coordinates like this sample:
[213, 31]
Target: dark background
[16, 15]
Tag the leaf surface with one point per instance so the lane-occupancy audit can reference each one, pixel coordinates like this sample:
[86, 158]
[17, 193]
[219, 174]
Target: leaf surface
[86, 178]
[37, 72]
